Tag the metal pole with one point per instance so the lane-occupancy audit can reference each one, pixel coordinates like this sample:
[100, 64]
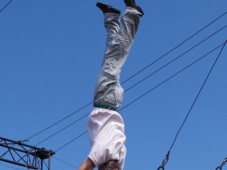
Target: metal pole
[49, 163]
[41, 164]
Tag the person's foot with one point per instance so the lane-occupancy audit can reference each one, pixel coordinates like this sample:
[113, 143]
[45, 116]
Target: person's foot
[132, 3]
[107, 8]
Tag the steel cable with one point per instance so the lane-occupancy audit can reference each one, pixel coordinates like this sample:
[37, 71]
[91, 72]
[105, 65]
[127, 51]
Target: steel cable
[192, 106]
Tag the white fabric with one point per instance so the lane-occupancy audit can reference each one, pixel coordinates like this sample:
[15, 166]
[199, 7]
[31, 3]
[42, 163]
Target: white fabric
[106, 132]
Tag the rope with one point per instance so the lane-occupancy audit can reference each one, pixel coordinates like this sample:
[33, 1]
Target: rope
[196, 98]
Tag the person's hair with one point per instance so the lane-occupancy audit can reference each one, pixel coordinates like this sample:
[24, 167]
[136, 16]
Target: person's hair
[110, 165]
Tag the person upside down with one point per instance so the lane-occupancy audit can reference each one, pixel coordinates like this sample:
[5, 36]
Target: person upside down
[105, 124]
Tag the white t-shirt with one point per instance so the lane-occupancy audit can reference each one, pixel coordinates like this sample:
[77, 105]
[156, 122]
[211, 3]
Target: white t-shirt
[106, 132]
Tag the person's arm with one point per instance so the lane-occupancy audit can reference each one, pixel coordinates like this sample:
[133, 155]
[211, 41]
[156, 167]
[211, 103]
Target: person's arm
[87, 165]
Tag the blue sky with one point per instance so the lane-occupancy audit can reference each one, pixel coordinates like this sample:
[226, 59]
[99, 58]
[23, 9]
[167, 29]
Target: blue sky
[50, 57]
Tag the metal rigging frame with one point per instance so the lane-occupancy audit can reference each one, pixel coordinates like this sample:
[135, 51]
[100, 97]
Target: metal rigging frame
[21, 154]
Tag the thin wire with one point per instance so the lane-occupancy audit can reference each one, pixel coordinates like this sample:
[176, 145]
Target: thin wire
[181, 55]
[71, 141]
[137, 83]
[144, 94]
[176, 58]
[183, 42]
[223, 44]
[54, 124]
[190, 37]
[65, 162]
[150, 90]
[5, 5]
[164, 162]
[208, 75]
[62, 129]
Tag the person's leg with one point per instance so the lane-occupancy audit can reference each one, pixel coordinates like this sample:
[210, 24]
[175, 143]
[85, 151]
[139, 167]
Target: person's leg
[108, 90]
[106, 78]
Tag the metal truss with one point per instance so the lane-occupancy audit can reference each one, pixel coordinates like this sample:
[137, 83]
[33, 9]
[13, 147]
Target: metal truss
[21, 154]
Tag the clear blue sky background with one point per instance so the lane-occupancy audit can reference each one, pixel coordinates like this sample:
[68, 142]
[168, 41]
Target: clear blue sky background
[50, 57]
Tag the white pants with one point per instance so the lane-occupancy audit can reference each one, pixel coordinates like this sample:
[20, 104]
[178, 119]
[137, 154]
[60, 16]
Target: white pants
[120, 36]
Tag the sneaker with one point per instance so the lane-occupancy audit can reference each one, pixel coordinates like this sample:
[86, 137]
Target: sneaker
[107, 8]
[132, 3]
